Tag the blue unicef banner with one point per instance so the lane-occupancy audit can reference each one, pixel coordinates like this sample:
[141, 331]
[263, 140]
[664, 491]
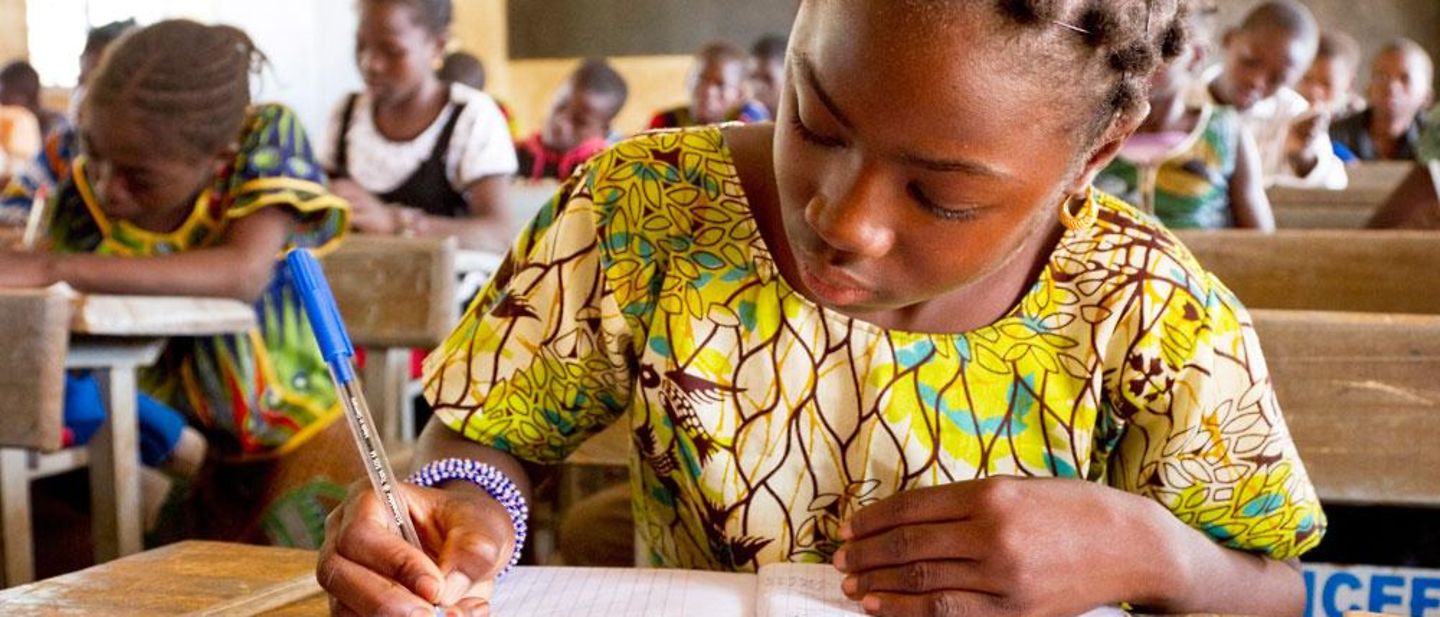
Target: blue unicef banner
[1331, 590]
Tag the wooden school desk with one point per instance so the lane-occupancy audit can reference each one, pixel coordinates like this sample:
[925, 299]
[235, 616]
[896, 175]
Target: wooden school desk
[115, 335]
[1370, 184]
[185, 578]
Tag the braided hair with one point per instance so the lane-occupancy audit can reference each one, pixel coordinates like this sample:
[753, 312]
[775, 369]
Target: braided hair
[1127, 40]
[434, 15]
[188, 84]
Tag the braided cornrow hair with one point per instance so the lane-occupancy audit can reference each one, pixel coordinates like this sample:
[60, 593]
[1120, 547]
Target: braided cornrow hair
[188, 83]
[434, 15]
[1130, 39]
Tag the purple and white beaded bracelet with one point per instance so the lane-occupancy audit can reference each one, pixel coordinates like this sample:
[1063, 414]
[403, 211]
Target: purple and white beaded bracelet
[492, 480]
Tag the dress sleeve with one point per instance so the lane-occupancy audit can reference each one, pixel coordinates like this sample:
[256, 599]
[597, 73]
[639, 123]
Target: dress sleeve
[543, 357]
[1194, 424]
[481, 145]
[276, 166]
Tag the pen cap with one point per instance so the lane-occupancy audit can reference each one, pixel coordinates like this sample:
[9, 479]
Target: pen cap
[324, 314]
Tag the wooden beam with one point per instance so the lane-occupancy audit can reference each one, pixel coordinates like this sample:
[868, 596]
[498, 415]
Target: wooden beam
[1360, 393]
[1333, 270]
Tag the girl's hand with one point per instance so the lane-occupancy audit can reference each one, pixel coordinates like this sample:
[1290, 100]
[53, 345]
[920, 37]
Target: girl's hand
[26, 269]
[367, 212]
[368, 569]
[1001, 546]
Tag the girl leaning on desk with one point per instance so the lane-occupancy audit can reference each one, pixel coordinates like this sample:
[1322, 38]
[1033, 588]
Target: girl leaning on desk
[173, 183]
[912, 344]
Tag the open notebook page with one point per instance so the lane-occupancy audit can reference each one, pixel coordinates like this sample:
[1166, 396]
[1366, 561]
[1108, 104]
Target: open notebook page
[611, 592]
[803, 590]
[813, 590]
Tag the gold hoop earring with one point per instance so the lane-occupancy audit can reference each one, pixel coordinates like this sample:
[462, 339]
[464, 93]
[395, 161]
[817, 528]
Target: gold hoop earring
[1085, 218]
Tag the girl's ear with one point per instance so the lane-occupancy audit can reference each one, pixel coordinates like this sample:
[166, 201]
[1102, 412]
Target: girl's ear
[1111, 142]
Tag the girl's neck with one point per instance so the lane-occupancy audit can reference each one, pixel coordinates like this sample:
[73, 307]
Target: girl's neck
[403, 118]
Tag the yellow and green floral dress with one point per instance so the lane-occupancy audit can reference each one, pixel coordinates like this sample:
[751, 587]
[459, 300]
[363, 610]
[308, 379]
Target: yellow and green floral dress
[262, 393]
[644, 294]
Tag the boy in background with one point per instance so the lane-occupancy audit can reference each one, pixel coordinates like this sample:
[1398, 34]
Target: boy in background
[1263, 59]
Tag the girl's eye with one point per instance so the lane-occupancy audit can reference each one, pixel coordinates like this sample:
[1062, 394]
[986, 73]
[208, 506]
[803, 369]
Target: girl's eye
[939, 211]
[813, 137]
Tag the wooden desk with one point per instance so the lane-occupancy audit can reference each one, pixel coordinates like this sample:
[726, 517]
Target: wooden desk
[114, 335]
[1370, 184]
[174, 580]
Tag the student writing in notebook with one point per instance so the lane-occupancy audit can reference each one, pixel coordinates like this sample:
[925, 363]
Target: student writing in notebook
[895, 331]
[182, 187]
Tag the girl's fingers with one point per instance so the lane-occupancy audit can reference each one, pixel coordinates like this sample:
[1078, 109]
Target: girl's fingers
[920, 577]
[361, 590]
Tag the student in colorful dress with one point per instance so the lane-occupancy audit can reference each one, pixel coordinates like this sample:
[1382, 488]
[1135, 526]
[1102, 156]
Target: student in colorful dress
[895, 331]
[716, 86]
[1263, 59]
[415, 155]
[1400, 90]
[578, 128]
[1193, 164]
[182, 187]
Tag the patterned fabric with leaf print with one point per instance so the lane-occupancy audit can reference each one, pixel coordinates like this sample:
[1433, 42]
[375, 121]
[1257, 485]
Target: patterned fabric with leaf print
[644, 294]
[258, 394]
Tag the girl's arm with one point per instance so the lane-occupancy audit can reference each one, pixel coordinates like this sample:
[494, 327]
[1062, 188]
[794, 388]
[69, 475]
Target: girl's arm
[1248, 202]
[486, 228]
[240, 267]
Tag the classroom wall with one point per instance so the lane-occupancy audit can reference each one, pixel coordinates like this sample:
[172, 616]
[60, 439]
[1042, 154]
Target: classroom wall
[526, 86]
[13, 41]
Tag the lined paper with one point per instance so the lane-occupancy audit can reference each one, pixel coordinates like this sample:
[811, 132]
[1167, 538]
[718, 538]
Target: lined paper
[610, 592]
[803, 590]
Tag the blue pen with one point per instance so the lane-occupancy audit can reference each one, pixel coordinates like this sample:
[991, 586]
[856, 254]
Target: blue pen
[339, 355]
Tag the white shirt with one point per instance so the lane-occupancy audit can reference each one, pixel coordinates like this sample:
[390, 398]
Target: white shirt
[479, 147]
[1269, 122]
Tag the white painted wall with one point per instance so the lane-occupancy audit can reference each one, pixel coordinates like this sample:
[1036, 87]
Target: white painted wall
[310, 43]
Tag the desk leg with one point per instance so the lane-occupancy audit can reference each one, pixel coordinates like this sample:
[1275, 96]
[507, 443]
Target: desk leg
[115, 471]
[18, 545]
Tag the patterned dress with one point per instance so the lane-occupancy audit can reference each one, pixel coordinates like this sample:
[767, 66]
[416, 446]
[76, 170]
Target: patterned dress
[645, 294]
[1192, 189]
[259, 394]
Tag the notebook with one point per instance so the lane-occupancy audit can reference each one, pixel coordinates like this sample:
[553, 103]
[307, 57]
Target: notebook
[778, 590]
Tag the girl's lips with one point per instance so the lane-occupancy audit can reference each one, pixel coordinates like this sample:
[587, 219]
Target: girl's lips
[833, 286]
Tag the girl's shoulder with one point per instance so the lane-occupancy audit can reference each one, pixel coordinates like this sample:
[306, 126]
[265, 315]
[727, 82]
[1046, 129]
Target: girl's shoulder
[1133, 249]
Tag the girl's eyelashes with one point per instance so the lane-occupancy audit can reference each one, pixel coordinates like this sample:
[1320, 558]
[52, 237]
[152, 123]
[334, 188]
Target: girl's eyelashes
[811, 136]
[939, 211]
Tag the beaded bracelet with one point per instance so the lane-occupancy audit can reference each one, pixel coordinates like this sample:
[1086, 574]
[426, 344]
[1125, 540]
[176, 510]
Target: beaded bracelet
[492, 481]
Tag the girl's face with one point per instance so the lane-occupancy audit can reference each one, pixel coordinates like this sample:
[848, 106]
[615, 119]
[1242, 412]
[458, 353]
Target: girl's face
[133, 178]
[395, 52]
[915, 157]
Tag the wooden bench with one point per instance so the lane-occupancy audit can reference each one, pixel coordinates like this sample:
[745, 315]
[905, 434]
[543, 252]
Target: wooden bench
[1333, 270]
[1351, 208]
[395, 294]
[1361, 393]
[113, 334]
